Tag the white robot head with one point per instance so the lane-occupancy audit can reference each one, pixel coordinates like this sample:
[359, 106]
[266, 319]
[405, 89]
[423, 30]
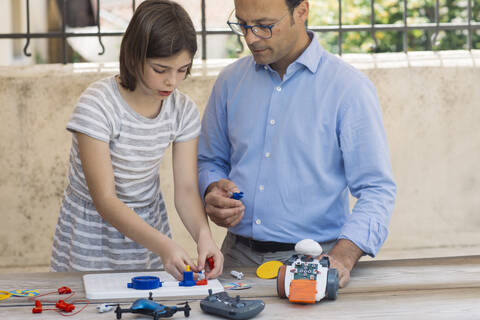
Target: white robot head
[308, 247]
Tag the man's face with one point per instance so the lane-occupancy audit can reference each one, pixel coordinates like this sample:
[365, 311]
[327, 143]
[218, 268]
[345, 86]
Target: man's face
[284, 34]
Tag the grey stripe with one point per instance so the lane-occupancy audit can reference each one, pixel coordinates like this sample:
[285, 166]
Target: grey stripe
[92, 247]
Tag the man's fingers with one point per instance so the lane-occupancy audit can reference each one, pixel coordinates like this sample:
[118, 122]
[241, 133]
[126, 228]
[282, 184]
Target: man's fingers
[234, 220]
[343, 281]
[221, 213]
[228, 220]
[227, 185]
[222, 201]
[219, 222]
[343, 273]
[344, 277]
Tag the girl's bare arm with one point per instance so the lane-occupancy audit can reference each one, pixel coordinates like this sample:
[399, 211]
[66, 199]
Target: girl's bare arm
[97, 167]
[189, 205]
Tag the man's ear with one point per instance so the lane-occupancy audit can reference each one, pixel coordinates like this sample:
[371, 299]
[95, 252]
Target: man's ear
[301, 11]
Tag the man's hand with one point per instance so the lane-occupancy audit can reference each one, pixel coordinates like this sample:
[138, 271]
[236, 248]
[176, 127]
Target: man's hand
[343, 257]
[343, 272]
[221, 209]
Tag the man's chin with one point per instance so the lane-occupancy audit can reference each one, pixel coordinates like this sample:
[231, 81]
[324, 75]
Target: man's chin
[262, 59]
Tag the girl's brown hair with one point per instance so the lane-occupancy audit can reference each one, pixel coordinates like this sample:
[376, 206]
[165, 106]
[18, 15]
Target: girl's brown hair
[158, 28]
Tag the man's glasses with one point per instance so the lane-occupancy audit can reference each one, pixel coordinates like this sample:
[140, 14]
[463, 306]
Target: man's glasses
[260, 30]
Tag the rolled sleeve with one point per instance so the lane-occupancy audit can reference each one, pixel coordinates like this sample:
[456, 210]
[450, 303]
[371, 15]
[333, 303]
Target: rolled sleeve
[366, 232]
[368, 171]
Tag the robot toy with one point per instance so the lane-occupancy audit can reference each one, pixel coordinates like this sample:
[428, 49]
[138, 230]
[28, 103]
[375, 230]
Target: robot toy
[304, 279]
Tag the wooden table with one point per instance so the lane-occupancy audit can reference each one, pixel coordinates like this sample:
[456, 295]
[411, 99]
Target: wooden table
[438, 288]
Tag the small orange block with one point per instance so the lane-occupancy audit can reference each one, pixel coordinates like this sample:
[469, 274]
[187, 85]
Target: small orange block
[302, 291]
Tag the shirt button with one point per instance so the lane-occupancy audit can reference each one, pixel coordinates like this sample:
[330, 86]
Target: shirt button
[258, 221]
[265, 67]
[267, 155]
[278, 88]
[272, 122]
[261, 188]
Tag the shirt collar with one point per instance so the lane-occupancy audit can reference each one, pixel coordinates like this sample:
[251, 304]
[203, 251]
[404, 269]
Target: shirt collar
[310, 58]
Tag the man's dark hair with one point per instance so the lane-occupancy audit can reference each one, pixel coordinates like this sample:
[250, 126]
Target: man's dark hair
[292, 4]
[158, 29]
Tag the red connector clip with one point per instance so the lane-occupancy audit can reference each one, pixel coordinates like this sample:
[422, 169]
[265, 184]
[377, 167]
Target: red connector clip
[38, 307]
[211, 265]
[64, 290]
[62, 305]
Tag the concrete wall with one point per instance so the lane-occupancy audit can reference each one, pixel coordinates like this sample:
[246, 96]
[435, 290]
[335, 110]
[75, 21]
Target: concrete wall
[431, 110]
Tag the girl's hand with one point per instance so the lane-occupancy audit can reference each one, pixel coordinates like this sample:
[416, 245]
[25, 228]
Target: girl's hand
[206, 248]
[175, 260]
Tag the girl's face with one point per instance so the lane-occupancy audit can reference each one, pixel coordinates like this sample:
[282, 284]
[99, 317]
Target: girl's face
[162, 75]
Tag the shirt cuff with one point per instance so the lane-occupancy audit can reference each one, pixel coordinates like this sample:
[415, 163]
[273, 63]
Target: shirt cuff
[206, 178]
[366, 232]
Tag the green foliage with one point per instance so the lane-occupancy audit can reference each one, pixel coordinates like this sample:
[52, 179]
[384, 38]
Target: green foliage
[358, 12]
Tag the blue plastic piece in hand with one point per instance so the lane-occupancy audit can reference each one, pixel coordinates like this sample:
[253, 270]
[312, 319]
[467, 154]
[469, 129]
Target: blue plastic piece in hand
[237, 195]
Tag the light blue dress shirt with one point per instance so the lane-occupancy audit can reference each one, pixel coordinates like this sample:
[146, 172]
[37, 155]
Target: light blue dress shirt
[296, 146]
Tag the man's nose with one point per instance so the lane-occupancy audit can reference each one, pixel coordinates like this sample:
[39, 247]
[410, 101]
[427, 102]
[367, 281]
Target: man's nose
[250, 37]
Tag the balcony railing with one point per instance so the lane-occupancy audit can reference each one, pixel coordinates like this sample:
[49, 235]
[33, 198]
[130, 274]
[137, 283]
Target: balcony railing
[470, 26]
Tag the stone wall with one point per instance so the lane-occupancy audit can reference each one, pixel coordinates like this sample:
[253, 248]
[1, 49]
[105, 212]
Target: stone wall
[431, 110]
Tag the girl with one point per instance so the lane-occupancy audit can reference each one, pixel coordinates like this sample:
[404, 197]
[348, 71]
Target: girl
[113, 215]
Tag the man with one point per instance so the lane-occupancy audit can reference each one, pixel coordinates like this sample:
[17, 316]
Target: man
[295, 129]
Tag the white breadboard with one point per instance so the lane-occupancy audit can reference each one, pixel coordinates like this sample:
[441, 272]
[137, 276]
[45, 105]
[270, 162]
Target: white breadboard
[114, 286]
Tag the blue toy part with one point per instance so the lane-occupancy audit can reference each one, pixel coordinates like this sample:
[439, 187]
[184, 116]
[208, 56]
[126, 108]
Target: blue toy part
[149, 305]
[145, 283]
[237, 195]
[187, 279]
[151, 308]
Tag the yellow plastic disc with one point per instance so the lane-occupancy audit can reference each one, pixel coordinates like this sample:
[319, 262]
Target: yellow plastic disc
[4, 295]
[269, 270]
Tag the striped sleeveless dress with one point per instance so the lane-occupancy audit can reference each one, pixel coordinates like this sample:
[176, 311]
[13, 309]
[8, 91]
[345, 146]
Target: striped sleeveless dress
[83, 240]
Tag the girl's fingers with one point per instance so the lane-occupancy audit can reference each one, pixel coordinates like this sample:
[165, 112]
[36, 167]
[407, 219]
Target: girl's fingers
[174, 272]
[202, 257]
[218, 266]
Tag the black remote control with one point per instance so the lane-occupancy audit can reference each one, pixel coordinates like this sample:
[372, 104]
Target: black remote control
[225, 306]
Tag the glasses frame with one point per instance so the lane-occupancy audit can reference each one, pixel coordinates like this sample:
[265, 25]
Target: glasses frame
[253, 28]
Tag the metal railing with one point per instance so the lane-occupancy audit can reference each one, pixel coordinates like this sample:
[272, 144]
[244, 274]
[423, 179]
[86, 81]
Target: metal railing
[436, 26]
